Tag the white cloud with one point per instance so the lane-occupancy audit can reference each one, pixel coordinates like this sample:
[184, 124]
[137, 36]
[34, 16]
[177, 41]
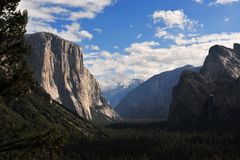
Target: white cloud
[175, 25]
[82, 15]
[116, 47]
[44, 13]
[211, 38]
[139, 35]
[174, 19]
[98, 30]
[141, 47]
[161, 33]
[83, 8]
[92, 47]
[143, 60]
[199, 1]
[70, 32]
[223, 2]
[85, 34]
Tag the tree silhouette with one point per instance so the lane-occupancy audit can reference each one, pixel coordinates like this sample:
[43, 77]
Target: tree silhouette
[13, 68]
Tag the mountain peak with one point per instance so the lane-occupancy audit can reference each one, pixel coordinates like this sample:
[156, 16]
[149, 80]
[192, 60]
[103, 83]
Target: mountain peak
[222, 62]
[151, 99]
[115, 95]
[211, 95]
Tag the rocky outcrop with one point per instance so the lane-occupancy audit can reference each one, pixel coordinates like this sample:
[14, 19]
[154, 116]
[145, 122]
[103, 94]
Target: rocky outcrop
[116, 94]
[212, 95]
[58, 66]
[236, 48]
[221, 64]
[151, 99]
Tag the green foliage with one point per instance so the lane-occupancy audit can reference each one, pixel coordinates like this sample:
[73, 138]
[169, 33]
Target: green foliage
[12, 27]
[26, 119]
[156, 143]
[13, 68]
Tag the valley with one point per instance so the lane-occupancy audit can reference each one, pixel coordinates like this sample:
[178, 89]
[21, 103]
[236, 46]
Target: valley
[149, 141]
[170, 95]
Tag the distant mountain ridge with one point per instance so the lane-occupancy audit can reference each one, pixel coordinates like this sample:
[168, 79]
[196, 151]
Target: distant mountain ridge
[116, 94]
[152, 98]
[59, 68]
[213, 94]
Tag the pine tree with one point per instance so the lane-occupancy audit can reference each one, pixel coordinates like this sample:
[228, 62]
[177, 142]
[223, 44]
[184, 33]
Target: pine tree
[13, 68]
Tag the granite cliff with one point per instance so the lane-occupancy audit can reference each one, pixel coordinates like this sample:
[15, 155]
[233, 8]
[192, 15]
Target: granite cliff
[212, 95]
[58, 67]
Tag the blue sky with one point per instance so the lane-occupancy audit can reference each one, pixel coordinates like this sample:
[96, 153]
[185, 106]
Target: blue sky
[116, 20]
[126, 39]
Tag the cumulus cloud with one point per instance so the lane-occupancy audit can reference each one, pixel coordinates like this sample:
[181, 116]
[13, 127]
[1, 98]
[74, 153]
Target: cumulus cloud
[70, 32]
[223, 2]
[173, 24]
[211, 38]
[141, 47]
[161, 33]
[44, 13]
[143, 60]
[174, 19]
[85, 34]
[83, 9]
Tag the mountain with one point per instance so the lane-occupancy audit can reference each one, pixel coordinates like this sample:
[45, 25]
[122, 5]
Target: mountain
[115, 95]
[58, 67]
[212, 95]
[151, 99]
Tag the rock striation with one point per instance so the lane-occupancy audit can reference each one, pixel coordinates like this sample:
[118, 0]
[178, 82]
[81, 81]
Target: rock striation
[213, 94]
[58, 67]
[152, 98]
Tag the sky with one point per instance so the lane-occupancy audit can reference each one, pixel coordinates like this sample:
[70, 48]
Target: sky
[136, 39]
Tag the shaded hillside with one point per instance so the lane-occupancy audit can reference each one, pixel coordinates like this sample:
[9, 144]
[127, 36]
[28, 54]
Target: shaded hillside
[151, 99]
[32, 125]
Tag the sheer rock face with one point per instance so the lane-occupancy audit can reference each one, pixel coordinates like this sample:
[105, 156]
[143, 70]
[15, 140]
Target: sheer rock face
[211, 95]
[58, 66]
